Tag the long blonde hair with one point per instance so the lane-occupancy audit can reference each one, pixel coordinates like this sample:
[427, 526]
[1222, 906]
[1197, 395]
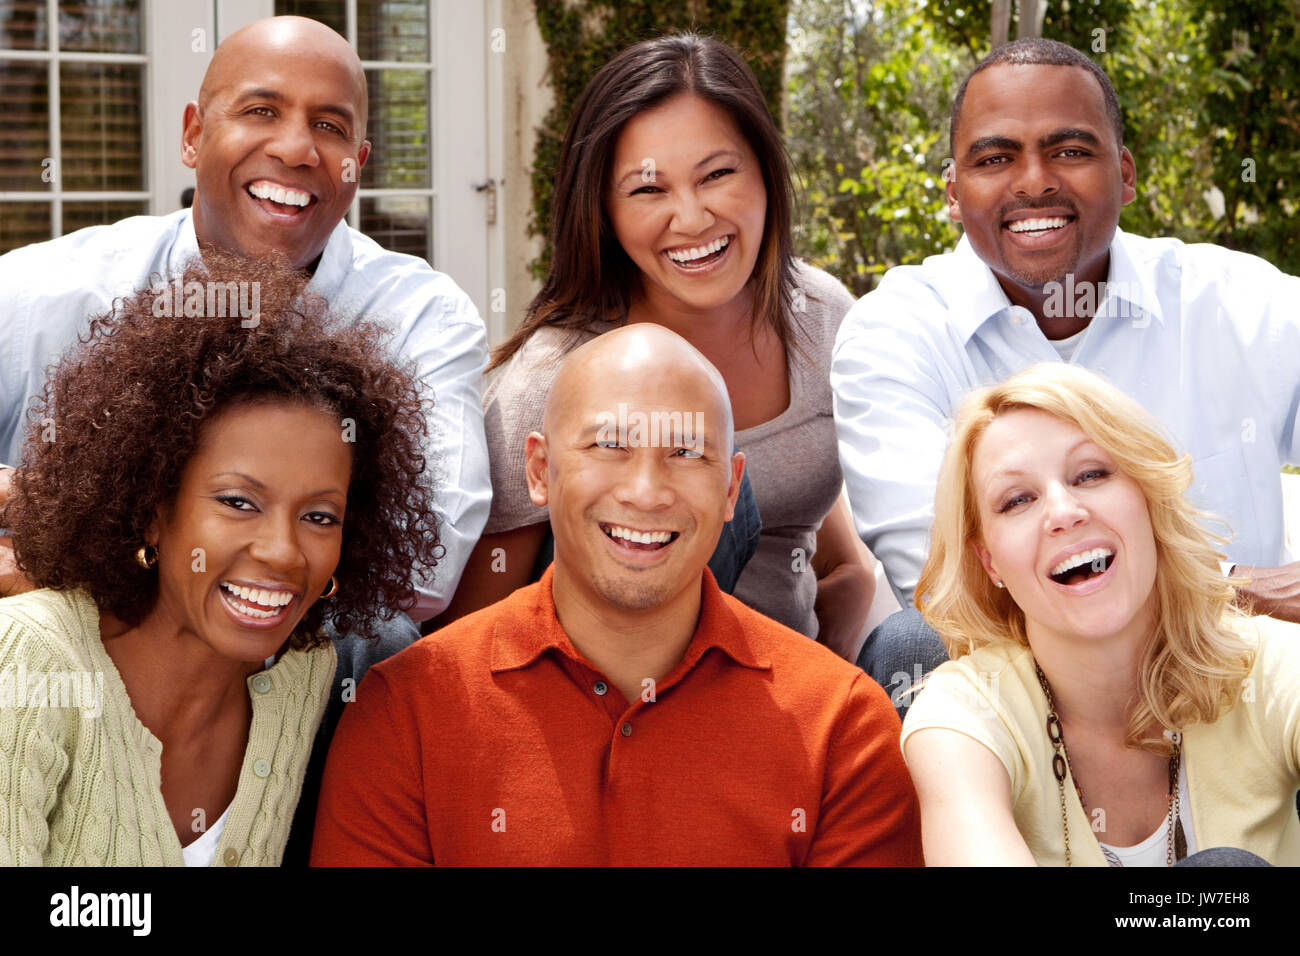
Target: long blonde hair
[1194, 660]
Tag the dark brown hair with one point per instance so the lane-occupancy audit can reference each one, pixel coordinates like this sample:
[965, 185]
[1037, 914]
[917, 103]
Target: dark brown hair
[125, 410]
[591, 277]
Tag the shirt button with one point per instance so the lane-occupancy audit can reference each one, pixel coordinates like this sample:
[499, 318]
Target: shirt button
[262, 768]
[626, 729]
[261, 683]
[600, 687]
[231, 857]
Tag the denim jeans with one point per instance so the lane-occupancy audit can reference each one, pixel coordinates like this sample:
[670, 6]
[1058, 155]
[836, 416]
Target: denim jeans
[736, 544]
[1223, 856]
[899, 652]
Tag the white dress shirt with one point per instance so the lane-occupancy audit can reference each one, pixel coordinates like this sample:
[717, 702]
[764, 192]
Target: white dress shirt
[1206, 339]
[50, 290]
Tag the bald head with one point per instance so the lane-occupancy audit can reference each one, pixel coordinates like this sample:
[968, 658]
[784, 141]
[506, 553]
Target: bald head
[277, 140]
[642, 365]
[278, 36]
[635, 463]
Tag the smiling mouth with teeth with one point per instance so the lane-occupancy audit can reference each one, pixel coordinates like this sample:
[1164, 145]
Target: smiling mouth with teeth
[699, 255]
[284, 199]
[639, 540]
[256, 602]
[1083, 566]
[1037, 227]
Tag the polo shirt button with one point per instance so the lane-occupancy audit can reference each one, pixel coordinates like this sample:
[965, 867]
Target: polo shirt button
[231, 857]
[262, 768]
[600, 687]
[261, 683]
[627, 729]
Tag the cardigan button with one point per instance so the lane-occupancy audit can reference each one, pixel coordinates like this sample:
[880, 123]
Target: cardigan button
[600, 687]
[626, 729]
[261, 683]
[231, 857]
[262, 768]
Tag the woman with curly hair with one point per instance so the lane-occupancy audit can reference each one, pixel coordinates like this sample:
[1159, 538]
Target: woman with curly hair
[1106, 702]
[673, 205]
[196, 494]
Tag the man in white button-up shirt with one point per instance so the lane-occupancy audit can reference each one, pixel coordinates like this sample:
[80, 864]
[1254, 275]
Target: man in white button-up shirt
[1207, 339]
[277, 141]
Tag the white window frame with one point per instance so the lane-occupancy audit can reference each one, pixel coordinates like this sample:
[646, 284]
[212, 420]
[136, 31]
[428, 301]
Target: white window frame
[461, 108]
[52, 56]
[465, 117]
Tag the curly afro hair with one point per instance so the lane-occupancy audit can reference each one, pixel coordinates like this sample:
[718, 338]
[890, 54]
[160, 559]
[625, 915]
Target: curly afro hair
[122, 413]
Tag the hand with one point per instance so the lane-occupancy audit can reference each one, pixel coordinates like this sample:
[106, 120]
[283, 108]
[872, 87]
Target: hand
[1271, 591]
[843, 603]
[12, 580]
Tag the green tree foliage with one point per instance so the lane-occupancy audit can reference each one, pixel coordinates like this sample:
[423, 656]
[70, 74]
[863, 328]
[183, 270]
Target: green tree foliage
[582, 35]
[867, 96]
[1251, 119]
[1204, 86]
[966, 22]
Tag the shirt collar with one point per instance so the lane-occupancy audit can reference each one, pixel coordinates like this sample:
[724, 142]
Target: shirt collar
[332, 271]
[185, 247]
[974, 294]
[335, 264]
[971, 290]
[522, 637]
[1131, 281]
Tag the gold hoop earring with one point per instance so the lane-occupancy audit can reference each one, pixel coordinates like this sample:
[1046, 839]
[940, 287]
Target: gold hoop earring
[147, 557]
[334, 588]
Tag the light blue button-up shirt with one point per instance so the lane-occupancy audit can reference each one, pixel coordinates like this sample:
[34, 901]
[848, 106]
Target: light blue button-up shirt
[49, 291]
[1206, 339]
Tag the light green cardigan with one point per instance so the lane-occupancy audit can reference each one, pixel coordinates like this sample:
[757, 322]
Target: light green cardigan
[1242, 770]
[80, 776]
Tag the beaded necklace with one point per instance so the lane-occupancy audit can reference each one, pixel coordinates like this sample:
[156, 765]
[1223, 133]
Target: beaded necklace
[1177, 845]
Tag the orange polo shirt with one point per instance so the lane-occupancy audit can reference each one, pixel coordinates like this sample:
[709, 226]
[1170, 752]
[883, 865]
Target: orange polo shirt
[495, 742]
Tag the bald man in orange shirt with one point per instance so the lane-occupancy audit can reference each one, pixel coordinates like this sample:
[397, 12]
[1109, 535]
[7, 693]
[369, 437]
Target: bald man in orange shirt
[622, 710]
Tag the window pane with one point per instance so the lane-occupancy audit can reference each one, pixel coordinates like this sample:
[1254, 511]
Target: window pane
[393, 30]
[332, 13]
[101, 26]
[22, 223]
[399, 223]
[78, 215]
[25, 95]
[22, 25]
[101, 126]
[398, 130]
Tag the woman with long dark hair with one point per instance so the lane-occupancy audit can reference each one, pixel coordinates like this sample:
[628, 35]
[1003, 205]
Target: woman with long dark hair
[673, 205]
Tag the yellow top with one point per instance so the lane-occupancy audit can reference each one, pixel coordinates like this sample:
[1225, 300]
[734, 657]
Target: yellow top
[1242, 771]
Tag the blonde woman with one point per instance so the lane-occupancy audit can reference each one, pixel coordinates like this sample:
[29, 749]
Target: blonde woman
[1105, 702]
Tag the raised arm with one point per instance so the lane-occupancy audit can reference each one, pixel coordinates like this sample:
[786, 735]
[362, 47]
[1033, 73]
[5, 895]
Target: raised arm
[965, 794]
